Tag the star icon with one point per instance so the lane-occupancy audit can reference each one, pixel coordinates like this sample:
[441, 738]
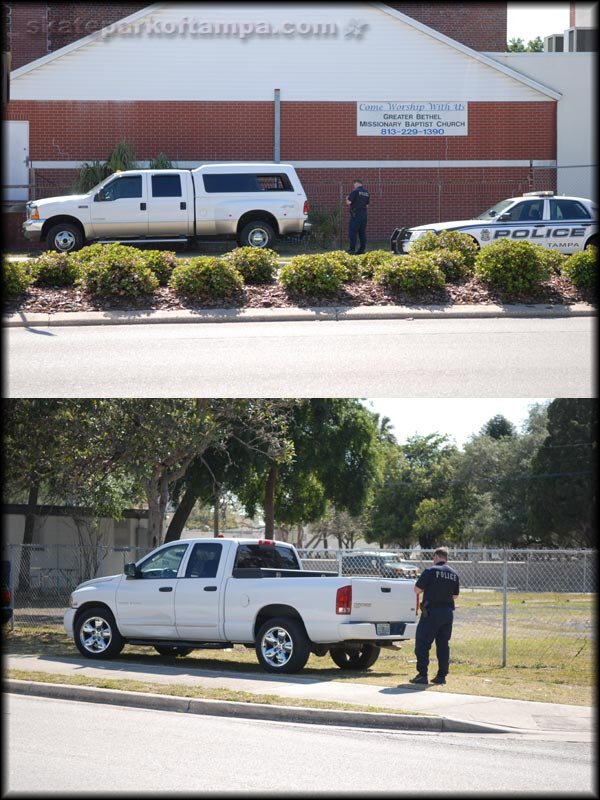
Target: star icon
[355, 29]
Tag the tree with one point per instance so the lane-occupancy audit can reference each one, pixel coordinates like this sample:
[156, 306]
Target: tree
[562, 498]
[335, 447]
[517, 45]
[498, 427]
[413, 472]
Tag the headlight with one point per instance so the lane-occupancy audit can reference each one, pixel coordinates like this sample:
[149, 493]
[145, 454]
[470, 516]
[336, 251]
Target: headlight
[34, 212]
[417, 235]
[72, 602]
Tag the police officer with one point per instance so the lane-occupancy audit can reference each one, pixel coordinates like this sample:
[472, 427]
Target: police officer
[439, 585]
[358, 200]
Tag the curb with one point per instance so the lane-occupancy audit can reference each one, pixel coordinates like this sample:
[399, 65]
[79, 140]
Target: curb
[228, 708]
[319, 313]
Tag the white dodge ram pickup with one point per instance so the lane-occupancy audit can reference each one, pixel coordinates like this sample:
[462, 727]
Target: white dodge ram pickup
[213, 593]
[253, 203]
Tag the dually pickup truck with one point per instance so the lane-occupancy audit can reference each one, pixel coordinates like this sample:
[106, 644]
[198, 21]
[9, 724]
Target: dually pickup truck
[253, 203]
[214, 593]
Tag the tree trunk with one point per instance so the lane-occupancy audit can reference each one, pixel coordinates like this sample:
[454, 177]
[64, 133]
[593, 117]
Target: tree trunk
[24, 583]
[216, 515]
[269, 505]
[181, 516]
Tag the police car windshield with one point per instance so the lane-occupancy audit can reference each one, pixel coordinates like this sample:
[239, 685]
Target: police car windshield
[495, 211]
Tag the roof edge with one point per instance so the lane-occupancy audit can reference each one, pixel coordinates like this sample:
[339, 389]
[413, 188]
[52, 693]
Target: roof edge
[463, 48]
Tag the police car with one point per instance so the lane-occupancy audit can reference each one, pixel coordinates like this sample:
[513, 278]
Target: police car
[564, 224]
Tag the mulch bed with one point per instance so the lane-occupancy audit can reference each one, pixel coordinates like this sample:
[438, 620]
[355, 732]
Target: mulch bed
[366, 293]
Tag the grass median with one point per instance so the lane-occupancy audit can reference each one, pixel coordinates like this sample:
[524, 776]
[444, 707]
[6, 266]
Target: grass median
[550, 651]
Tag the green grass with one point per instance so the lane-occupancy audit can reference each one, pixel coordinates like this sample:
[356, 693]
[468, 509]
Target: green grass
[206, 693]
[550, 650]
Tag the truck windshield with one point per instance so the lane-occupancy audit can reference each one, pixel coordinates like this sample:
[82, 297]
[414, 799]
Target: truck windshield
[273, 556]
[495, 211]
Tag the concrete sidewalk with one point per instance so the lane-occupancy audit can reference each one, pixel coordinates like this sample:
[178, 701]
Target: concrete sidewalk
[459, 712]
[332, 313]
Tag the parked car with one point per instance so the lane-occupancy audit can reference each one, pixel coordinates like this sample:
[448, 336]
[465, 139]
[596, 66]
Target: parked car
[564, 224]
[253, 203]
[207, 593]
[388, 565]
[6, 598]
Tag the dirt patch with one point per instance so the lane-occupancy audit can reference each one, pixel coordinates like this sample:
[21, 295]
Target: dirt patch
[556, 291]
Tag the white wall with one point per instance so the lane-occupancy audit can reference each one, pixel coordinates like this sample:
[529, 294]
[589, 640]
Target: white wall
[391, 60]
[586, 15]
[573, 75]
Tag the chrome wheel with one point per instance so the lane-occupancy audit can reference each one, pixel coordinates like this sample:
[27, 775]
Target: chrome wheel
[64, 241]
[95, 635]
[258, 237]
[276, 646]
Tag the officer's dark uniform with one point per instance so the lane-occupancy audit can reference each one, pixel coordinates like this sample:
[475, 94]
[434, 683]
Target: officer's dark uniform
[359, 200]
[439, 583]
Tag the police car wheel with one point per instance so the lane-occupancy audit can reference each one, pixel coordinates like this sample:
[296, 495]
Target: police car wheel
[592, 242]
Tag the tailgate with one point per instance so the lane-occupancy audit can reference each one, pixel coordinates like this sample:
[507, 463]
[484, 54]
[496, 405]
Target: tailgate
[381, 600]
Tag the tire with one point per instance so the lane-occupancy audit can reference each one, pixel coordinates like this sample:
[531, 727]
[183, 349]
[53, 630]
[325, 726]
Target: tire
[591, 242]
[65, 238]
[362, 658]
[282, 645]
[97, 635]
[172, 650]
[256, 234]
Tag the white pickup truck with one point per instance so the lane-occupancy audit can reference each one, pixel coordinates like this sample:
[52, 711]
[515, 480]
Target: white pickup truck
[214, 593]
[253, 203]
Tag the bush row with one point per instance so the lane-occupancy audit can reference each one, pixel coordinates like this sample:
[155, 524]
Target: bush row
[116, 269]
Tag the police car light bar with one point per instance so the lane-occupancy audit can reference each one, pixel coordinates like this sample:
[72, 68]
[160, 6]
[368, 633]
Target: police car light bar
[538, 194]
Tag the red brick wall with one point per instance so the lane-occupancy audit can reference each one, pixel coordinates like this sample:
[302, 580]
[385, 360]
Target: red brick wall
[309, 131]
[481, 26]
[572, 14]
[71, 21]
[27, 32]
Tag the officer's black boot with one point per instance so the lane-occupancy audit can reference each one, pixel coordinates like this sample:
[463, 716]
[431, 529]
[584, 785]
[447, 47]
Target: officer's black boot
[420, 679]
[440, 680]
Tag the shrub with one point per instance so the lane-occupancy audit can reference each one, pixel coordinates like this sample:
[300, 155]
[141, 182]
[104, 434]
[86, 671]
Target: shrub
[161, 262]
[553, 260]
[326, 226]
[351, 264]
[451, 262]
[88, 254]
[116, 270]
[513, 266]
[255, 265]
[374, 258]
[314, 274]
[16, 276]
[55, 269]
[411, 273]
[449, 240]
[206, 275]
[582, 268]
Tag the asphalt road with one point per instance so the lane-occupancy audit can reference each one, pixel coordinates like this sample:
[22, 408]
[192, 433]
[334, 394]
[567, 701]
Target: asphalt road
[60, 746]
[541, 357]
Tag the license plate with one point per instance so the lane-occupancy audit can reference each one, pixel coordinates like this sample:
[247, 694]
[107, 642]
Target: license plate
[382, 629]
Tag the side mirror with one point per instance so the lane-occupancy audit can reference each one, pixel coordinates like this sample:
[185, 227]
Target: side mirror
[131, 571]
[99, 196]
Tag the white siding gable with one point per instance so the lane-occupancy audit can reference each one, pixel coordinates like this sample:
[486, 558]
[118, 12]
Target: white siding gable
[393, 59]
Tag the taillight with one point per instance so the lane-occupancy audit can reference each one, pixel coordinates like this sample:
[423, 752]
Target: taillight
[306, 206]
[6, 597]
[266, 541]
[343, 600]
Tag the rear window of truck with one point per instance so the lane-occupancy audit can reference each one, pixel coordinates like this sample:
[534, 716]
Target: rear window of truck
[246, 182]
[270, 556]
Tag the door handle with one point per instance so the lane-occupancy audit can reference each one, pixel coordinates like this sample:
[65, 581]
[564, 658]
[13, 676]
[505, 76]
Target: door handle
[182, 206]
[210, 588]
[385, 589]
[142, 206]
[165, 589]
[540, 225]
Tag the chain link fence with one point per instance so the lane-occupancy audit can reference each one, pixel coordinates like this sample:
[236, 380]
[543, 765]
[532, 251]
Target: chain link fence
[530, 608]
